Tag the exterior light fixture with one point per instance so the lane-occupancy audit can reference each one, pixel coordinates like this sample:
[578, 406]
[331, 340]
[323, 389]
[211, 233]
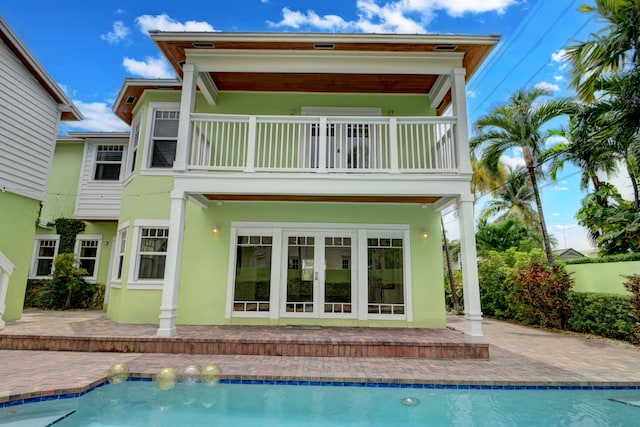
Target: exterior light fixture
[424, 234]
[215, 229]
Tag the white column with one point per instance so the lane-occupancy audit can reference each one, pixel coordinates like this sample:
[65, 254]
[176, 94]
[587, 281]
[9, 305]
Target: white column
[459, 105]
[469, 261]
[6, 270]
[169, 305]
[187, 105]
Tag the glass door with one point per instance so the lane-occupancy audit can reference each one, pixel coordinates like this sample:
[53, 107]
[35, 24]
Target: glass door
[302, 276]
[320, 278]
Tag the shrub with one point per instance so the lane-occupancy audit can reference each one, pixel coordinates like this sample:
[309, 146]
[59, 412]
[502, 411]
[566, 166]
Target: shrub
[604, 315]
[496, 273]
[541, 292]
[604, 259]
[457, 279]
[633, 286]
[66, 289]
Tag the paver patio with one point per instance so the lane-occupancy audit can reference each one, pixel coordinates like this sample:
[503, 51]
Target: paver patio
[518, 355]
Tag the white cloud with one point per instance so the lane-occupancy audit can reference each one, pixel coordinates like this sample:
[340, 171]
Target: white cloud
[559, 56]
[561, 227]
[471, 93]
[556, 214]
[555, 140]
[165, 23]
[151, 68]
[400, 16]
[119, 33]
[547, 86]
[558, 78]
[558, 188]
[296, 20]
[98, 117]
[512, 162]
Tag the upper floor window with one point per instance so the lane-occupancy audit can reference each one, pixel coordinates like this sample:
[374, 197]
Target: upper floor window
[133, 145]
[164, 138]
[44, 253]
[108, 162]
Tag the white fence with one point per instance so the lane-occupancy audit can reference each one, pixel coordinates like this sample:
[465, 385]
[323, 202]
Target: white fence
[323, 144]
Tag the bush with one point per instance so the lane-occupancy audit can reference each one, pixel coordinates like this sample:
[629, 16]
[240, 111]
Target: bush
[542, 294]
[457, 278]
[605, 315]
[66, 289]
[497, 271]
[633, 286]
[604, 259]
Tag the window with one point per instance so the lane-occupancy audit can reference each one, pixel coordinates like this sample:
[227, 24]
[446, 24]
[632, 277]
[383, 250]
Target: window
[133, 145]
[252, 287]
[87, 252]
[164, 138]
[152, 252]
[108, 162]
[45, 251]
[385, 276]
[122, 241]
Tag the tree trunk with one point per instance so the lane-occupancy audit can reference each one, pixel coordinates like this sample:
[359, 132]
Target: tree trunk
[543, 226]
[452, 283]
[634, 186]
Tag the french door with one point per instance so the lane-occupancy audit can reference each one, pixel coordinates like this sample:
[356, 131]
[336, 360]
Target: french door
[319, 274]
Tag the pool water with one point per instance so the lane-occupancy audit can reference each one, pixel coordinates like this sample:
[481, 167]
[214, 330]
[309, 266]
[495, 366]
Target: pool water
[137, 403]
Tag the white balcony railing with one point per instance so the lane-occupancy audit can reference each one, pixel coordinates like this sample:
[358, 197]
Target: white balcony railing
[323, 144]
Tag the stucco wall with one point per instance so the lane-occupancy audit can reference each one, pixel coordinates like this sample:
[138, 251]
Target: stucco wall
[602, 277]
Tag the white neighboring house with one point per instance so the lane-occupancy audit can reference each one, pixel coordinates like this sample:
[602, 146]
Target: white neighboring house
[31, 108]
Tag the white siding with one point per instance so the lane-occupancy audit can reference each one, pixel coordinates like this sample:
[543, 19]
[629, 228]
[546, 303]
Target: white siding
[99, 199]
[29, 120]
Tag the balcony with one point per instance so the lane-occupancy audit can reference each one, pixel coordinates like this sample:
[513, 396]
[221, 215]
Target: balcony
[323, 145]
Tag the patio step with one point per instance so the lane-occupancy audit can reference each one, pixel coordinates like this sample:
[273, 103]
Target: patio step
[306, 345]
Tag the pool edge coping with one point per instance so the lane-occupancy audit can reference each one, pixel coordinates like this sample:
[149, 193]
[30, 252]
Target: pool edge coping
[75, 392]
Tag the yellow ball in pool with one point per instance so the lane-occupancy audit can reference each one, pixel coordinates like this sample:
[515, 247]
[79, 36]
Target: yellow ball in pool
[210, 375]
[167, 379]
[118, 373]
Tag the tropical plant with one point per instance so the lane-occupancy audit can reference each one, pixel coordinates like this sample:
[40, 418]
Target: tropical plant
[518, 124]
[612, 222]
[485, 180]
[503, 235]
[610, 50]
[514, 199]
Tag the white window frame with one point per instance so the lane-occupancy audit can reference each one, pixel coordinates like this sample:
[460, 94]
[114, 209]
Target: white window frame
[148, 146]
[134, 145]
[77, 250]
[120, 250]
[34, 255]
[122, 162]
[358, 265]
[133, 282]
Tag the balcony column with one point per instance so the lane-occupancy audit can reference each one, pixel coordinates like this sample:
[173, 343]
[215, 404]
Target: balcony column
[187, 106]
[469, 263]
[459, 105]
[169, 304]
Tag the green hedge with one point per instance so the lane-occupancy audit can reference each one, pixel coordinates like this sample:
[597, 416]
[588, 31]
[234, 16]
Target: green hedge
[605, 315]
[608, 258]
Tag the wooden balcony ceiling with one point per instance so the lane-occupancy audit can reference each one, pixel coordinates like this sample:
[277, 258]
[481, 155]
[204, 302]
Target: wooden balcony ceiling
[320, 198]
[176, 46]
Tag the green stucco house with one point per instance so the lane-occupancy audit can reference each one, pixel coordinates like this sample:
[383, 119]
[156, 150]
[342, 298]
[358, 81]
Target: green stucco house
[31, 108]
[281, 179]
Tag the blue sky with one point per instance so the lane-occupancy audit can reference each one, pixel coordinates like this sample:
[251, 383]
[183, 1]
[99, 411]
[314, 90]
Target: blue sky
[90, 47]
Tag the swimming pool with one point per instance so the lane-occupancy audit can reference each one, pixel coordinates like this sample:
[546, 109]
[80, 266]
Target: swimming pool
[274, 403]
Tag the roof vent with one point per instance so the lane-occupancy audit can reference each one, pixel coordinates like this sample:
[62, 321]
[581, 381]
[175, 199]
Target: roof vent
[446, 47]
[323, 46]
[201, 45]
[130, 100]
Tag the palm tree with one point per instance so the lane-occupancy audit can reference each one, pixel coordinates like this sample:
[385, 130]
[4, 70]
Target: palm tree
[513, 199]
[518, 123]
[484, 180]
[609, 50]
[582, 149]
